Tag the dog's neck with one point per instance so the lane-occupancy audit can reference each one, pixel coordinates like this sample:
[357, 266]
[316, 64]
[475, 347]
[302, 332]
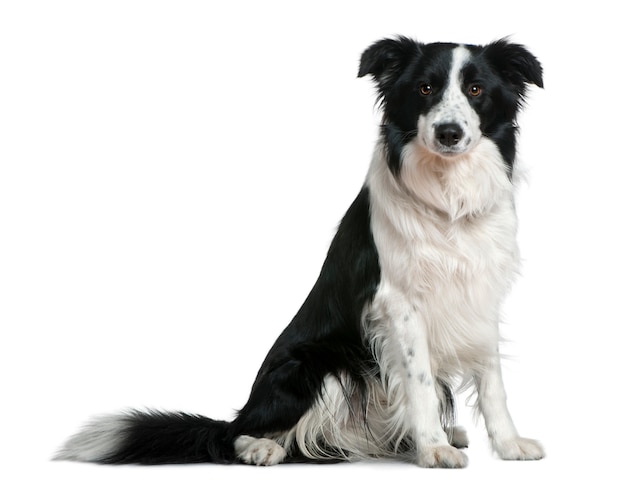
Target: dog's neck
[450, 189]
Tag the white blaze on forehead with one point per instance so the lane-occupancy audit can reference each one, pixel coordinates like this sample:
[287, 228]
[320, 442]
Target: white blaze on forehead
[460, 57]
[454, 107]
[454, 104]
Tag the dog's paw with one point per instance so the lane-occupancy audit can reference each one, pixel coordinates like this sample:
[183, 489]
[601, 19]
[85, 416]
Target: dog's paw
[457, 436]
[260, 452]
[441, 457]
[519, 449]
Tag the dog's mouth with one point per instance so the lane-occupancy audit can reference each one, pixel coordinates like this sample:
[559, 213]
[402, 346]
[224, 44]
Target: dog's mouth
[454, 151]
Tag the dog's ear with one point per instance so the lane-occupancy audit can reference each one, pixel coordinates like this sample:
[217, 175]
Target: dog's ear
[386, 59]
[515, 63]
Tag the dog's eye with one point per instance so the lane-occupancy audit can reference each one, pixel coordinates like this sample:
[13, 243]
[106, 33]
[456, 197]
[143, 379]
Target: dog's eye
[475, 90]
[426, 89]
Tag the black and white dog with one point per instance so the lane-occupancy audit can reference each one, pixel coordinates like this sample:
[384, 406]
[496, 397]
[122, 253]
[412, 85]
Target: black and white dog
[406, 307]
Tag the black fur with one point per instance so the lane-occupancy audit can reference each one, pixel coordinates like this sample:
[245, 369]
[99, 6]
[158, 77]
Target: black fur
[325, 335]
[164, 438]
[323, 338]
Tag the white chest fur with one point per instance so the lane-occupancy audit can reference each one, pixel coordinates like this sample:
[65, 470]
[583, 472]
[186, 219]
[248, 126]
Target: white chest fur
[445, 234]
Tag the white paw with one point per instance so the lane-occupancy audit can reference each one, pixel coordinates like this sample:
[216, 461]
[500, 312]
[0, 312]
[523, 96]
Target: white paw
[519, 449]
[458, 437]
[261, 452]
[441, 457]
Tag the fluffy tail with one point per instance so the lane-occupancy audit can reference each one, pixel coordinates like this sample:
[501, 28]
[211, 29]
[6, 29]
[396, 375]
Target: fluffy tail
[151, 438]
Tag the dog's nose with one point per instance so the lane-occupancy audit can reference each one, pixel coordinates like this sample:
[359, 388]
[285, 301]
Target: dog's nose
[448, 134]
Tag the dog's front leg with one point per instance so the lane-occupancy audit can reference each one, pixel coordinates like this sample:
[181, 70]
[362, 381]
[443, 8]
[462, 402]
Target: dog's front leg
[406, 364]
[502, 432]
[433, 449]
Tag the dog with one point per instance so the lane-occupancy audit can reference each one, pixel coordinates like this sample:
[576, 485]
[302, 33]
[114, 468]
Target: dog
[405, 311]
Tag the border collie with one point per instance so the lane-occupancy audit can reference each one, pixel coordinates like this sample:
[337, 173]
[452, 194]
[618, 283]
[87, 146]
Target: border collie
[406, 308]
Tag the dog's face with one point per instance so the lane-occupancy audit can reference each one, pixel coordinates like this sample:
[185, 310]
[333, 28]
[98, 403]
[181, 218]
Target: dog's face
[448, 123]
[447, 97]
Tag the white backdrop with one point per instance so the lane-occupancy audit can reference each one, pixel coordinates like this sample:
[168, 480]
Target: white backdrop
[171, 174]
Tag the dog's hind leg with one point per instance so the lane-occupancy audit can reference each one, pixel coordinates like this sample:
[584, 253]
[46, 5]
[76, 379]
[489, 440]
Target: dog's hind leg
[324, 338]
[281, 395]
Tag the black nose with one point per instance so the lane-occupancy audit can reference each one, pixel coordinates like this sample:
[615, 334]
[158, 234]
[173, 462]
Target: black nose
[448, 134]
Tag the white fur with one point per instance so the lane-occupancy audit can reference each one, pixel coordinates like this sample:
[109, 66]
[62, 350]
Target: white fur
[445, 235]
[338, 423]
[445, 232]
[99, 439]
[445, 269]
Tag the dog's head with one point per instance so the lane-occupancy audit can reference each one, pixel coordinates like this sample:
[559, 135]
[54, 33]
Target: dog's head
[447, 97]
